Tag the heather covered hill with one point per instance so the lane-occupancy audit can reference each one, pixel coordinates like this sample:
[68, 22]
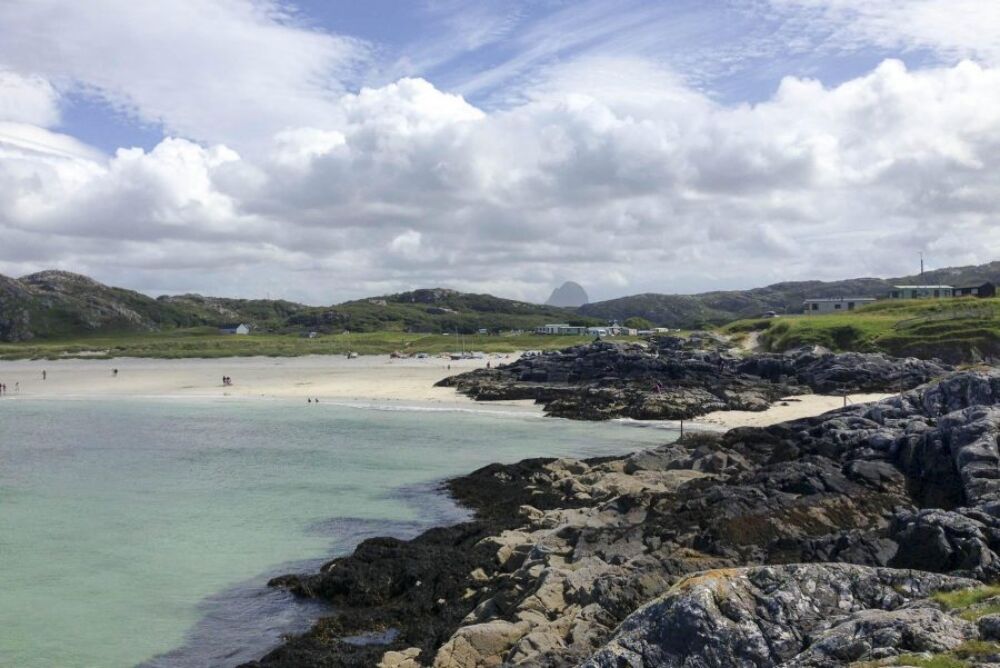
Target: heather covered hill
[62, 305]
[435, 310]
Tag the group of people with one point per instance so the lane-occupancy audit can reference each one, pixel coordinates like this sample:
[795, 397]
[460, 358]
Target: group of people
[227, 381]
[3, 388]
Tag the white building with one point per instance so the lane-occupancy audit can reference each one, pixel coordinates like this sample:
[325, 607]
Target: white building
[921, 291]
[241, 329]
[562, 329]
[834, 304]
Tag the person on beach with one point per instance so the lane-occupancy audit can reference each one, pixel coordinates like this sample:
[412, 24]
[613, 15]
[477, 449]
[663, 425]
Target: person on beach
[17, 387]
[43, 374]
[114, 373]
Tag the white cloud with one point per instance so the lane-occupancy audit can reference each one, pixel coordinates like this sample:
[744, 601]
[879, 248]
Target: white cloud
[232, 71]
[954, 29]
[27, 99]
[664, 191]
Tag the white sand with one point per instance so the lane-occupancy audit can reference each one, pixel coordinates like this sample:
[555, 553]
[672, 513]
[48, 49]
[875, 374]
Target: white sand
[366, 378]
[790, 408]
[372, 378]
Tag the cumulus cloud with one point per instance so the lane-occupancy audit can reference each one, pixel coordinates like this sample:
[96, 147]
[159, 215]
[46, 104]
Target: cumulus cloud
[667, 190]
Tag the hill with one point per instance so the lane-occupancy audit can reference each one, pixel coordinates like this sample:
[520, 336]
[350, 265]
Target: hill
[954, 330]
[434, 311]
[568, 295]
[62, 305]
[720, 307]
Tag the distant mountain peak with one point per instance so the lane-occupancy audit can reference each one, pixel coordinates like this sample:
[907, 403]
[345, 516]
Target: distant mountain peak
[568, 295]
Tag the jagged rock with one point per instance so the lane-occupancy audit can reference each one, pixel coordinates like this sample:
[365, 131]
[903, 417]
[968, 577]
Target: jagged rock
[801, 615]
[682, 378]
[989, 626]
[404, 659]
[564, 552]
[480, 645]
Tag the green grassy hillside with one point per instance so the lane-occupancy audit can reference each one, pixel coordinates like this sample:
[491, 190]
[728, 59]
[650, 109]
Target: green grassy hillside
[955, 330]
[720, 307]
[56, 305]
[433, 311]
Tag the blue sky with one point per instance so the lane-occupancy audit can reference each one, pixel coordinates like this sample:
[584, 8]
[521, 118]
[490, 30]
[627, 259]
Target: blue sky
[327, 150]
[736, 52]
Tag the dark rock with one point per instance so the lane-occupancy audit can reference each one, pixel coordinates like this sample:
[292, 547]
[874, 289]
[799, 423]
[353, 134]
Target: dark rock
[802, 615]
[682, 378]
[564, 552]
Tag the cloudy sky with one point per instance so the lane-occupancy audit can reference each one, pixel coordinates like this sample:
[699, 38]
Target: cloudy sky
[322, 150]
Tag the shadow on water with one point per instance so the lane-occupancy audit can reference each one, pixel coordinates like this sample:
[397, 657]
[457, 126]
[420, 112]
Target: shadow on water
[245, 621]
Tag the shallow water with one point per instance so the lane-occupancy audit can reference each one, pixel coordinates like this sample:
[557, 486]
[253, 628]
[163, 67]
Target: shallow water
[144, 531]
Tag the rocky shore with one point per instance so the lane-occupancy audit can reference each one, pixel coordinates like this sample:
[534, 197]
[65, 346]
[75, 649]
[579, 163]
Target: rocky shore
[863, 536]
[675, 379]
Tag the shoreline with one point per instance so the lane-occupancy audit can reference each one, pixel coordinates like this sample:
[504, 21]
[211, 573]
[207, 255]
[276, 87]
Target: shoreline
[365, 378]
[379, 383]
[375, 382]
[586, 545]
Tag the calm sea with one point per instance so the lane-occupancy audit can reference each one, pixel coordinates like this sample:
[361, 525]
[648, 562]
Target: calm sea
[144, 531]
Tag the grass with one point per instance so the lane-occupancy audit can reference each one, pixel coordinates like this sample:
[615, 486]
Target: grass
[934, 661]
[207, 343]
[961, 599]
[971, 604]
[956, 330]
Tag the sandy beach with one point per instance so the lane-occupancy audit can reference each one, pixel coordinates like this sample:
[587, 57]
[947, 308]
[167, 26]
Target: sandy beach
[789, 408]
[369, 378]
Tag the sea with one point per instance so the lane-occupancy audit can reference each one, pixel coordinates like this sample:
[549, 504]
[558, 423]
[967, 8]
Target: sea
[142, 532]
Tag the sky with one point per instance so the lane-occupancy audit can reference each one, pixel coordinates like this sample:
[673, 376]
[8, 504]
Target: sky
[323, 150]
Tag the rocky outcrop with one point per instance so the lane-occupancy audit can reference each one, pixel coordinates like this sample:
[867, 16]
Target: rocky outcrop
[568, 295]
[683, 378]
[15, 313]
[818, 542]
[799, 615]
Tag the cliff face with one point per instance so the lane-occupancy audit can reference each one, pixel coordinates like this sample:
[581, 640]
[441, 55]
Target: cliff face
[15, 316]
[861, 535]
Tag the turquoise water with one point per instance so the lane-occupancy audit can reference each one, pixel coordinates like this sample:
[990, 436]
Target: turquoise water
[143, 532]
